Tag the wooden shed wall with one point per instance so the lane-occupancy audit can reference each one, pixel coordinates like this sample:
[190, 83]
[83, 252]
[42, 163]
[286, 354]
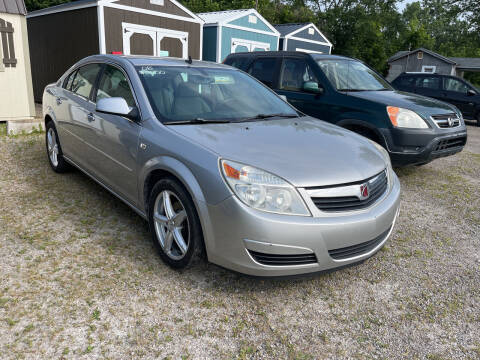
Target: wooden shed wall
[113, 19]
[59, 40]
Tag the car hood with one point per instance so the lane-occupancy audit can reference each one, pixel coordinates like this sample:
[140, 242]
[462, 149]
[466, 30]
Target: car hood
[304, 151]
[420, 104]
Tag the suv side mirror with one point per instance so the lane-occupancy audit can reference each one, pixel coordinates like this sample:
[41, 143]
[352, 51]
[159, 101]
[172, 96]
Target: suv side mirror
[116, 106]
[312, 87]
[471, 92]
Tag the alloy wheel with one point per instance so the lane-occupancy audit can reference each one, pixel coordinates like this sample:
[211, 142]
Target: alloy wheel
[52, 147]
[171, 225]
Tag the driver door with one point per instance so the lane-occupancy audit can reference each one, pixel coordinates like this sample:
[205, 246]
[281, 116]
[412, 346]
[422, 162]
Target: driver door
[116, 137]
[294, 73]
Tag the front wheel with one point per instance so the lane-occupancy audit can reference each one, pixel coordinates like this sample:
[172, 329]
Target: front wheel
[174, 224]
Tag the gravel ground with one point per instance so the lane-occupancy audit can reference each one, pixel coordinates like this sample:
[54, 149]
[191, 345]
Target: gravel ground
[79, 278]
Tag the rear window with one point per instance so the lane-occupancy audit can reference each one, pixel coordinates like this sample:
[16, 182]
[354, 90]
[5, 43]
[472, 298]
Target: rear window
[264, 70]
[429, 82]
[240, 62]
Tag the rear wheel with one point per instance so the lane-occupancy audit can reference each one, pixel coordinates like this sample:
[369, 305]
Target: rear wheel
[174, 224]
[54, 150]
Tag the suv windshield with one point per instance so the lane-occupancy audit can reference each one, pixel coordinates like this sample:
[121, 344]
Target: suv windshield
[352, 75]
[180, 93]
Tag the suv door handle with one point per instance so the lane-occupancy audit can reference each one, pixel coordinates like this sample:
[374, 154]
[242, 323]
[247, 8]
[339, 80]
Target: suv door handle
[90, 117]
[59, 101]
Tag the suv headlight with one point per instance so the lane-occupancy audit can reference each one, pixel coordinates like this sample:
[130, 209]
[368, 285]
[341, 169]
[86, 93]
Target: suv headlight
[262, 190]
[404, 118]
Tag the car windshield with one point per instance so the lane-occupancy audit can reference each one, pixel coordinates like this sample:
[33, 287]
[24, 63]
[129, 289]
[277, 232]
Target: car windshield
[181, 93]
[352, 75]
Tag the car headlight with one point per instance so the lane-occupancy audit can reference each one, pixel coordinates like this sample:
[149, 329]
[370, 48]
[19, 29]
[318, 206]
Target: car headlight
[386, 157]
[262, 190]
[404, 118]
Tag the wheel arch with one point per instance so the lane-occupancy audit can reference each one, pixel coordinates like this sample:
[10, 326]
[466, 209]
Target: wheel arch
[166, 166]
[355, 125]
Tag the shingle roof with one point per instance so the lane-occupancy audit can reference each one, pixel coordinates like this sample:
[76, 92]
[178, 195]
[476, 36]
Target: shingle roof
[401, 54]
[466, 63]
[61, 7]
[13, 7]
[285, 29]
[220, 16]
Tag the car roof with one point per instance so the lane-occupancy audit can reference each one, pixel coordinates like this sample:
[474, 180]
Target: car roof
[289, 53]
[137, 60]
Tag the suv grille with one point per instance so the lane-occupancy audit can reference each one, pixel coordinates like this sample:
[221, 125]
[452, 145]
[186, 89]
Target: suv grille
[377, 186]
[451, 143]
[445, 121]
[282, 260]
[359, 249]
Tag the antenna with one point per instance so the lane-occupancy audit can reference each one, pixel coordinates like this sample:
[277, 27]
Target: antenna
[189, 61]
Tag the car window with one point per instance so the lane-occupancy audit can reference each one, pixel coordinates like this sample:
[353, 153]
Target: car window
[352, 75]
[429, 82]
[114, 84]
[264, 70]
[179, 93]
[85, 79]
[238, 62]
[451, 84]
[67, 83]
[405, 81]
[296, 72]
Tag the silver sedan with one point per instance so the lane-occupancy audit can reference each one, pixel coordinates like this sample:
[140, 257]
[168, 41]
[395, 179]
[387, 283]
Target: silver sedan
[220, 166]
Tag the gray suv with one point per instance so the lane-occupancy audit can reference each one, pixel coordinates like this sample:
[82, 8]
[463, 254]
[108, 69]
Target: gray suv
[220, 165]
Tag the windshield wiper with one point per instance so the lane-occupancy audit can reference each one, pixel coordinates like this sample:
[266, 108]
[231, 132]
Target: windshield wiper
[268, 116]
[197, 121]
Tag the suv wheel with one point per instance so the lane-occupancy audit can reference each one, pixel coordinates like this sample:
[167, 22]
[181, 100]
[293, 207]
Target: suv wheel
[174, 224]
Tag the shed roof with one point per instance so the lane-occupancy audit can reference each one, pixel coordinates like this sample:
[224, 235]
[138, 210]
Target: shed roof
[13, 7]
[285, 29]
[467, 63]
[223, 16]
[401, 54]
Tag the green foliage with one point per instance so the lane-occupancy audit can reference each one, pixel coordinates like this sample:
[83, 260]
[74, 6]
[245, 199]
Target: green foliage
[370, 30]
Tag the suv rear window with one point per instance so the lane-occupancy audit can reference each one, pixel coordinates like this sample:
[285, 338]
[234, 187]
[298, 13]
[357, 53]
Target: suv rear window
[429, 82]
[264, 70]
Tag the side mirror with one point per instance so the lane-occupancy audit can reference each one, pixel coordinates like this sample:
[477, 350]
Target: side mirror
[471, 92]
[312, 87]
[116, 106]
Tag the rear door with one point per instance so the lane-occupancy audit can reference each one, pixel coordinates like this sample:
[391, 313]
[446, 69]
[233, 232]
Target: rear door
[115, 138]
[78, 108]
[456, 93]
[266, 70]
[430, 86]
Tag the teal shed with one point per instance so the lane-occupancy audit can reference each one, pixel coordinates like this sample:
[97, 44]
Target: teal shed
[226, 32]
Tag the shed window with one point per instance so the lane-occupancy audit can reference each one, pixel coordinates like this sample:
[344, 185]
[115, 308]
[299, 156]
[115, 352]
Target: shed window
[252, 19]
[7, 46]
[420, 55]
[157, 2]
[311, 31]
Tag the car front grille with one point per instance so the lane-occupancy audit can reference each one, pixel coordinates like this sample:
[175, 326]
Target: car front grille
[451, 143]
[445, 121]
[359, 249]
[283, 260]
[377, 186]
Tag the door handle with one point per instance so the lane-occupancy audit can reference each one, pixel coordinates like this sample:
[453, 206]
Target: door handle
[90, 117]
[59, 101]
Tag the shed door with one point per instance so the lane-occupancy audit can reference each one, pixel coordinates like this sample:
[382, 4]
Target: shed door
[240, 45]
[137, 41]
[147, 40]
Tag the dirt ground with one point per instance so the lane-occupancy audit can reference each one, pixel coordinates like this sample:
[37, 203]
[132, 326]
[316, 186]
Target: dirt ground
[79, 278]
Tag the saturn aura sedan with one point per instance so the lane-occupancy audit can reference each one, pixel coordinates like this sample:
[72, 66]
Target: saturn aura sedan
[222, 166]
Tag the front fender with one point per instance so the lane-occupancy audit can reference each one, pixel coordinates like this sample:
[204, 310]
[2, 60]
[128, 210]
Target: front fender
[186, 177]
[345, 122]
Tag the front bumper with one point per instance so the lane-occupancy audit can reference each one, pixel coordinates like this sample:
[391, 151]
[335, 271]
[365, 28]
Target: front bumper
[415, 147]
[240, 231]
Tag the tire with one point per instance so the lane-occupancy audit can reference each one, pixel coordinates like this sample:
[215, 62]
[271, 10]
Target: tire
[176, 230]
[54, 150]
